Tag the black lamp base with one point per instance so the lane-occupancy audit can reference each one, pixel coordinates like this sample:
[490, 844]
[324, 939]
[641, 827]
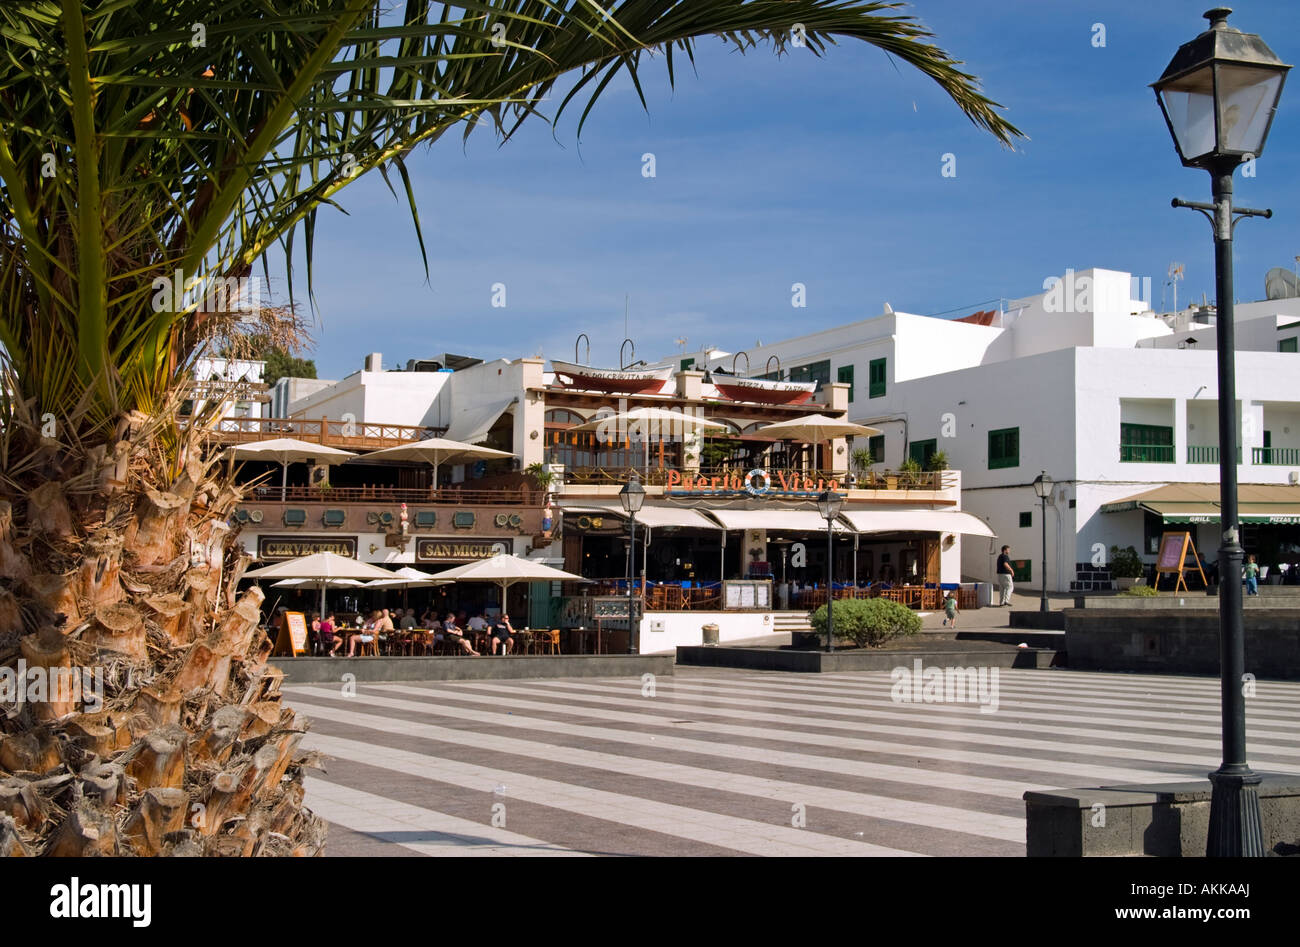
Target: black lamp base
[1235, 830]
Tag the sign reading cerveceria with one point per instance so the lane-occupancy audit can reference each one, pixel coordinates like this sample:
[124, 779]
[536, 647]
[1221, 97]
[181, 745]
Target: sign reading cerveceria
[455, 550]
[276, 548]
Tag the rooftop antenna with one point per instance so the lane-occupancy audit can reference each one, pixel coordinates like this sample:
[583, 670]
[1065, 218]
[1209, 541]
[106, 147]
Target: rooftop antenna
[625, 300]
[682, 343]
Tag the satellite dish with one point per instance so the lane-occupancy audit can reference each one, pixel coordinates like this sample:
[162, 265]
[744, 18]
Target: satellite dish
[1281, 283]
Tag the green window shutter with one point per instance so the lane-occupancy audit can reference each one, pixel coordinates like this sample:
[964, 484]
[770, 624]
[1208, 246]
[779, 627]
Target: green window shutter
[876, 378]
[844, 374]
[1004, 448]
[687, 363]
[877, 447]
[922, 451]
[1287, 345]
[1026, 520]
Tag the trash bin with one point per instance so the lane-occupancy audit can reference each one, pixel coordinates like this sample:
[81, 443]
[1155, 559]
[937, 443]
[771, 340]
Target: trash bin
[710, 633]
[983, 594]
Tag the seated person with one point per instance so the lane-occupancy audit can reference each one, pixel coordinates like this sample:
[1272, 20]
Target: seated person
[330, 642]
[503, 635]
[453, 634]
[366, 633]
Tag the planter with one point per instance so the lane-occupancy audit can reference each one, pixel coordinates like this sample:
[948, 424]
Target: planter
[1125, 583]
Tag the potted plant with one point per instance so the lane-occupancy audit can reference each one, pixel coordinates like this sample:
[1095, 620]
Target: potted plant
[938, 461]
[910, 472]
[543, 477]
[1126, 566]
[862, 460]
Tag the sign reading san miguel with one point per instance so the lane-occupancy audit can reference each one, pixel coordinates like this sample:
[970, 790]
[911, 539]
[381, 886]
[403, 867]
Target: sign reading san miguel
[757, 483]
[275, 548]
[455, 550]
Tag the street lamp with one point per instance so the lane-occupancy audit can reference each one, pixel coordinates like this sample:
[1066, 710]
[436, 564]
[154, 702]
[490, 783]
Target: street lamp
[631, 496]
[829, 505]
[1043, 487]
[1218, 96]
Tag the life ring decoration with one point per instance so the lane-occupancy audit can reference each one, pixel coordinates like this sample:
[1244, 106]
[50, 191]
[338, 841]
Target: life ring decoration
[757, 482]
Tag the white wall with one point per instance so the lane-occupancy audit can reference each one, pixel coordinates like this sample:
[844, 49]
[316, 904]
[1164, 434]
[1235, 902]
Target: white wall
[684, 628]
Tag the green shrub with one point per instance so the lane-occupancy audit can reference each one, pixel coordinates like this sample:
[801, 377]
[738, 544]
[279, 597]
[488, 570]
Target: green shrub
[1125, 563]
[1141, 591]
[870, 622]
[938, 461]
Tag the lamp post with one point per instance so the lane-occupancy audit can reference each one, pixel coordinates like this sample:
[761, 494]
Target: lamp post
[829, 504]
[631, 496]
[1043, 487]
[1218, 96]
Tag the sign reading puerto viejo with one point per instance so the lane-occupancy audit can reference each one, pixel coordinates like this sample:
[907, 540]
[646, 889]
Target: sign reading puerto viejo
[756, 483]
[277, 548]
[432, 549]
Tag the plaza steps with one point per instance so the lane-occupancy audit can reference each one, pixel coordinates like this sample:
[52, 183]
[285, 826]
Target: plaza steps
[791, 621]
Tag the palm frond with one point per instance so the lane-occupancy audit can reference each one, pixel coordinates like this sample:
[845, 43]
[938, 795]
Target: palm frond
[142, 138]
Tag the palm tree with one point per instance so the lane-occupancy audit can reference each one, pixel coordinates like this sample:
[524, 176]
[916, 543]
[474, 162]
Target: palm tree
[149, 144]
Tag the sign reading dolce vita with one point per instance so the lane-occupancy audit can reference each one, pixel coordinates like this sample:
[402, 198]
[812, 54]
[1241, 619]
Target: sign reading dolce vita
[279, 548]
[456, 550]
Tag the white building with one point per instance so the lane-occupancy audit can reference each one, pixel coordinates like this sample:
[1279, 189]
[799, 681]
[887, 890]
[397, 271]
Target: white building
[1081, 381]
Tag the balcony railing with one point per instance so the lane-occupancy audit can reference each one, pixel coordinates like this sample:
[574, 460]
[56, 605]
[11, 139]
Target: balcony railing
[346, 434]
[1275, 456]
[521, 496]
[872, 480]
[1205, 455]
[1146, 453]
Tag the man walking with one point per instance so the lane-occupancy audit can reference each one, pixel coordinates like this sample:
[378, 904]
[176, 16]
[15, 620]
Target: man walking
[1005, 571]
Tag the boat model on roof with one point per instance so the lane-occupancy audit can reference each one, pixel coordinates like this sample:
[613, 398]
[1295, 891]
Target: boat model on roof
[625, 380]
[761, 390]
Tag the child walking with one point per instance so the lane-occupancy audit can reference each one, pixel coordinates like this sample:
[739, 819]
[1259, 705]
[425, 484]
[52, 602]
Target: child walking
[950, 609]
[1252, 576]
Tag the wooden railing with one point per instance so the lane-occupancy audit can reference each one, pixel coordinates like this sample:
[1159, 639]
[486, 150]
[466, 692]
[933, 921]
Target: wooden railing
[913, 596]
[707, 596]
[522, 496]
[332, 433]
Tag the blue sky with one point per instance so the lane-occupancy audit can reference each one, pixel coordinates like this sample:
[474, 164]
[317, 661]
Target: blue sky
[823, 171]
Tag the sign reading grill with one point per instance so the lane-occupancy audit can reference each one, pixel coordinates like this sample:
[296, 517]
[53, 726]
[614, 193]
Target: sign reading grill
[279, 548]
[455, 550]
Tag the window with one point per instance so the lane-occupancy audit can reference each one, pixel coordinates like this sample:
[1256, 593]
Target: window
[922, 451]
[1146, 444]
[1004, 448]
[876, 378]
[1026, 520]
[1287, 345]
[820, 372]
[844, 374]
[687, 363]
[877, 447]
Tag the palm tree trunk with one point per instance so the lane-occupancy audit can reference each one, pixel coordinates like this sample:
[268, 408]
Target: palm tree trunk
[159, 727]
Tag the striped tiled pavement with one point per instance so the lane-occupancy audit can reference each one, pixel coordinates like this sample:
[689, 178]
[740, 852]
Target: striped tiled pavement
[718, 762]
